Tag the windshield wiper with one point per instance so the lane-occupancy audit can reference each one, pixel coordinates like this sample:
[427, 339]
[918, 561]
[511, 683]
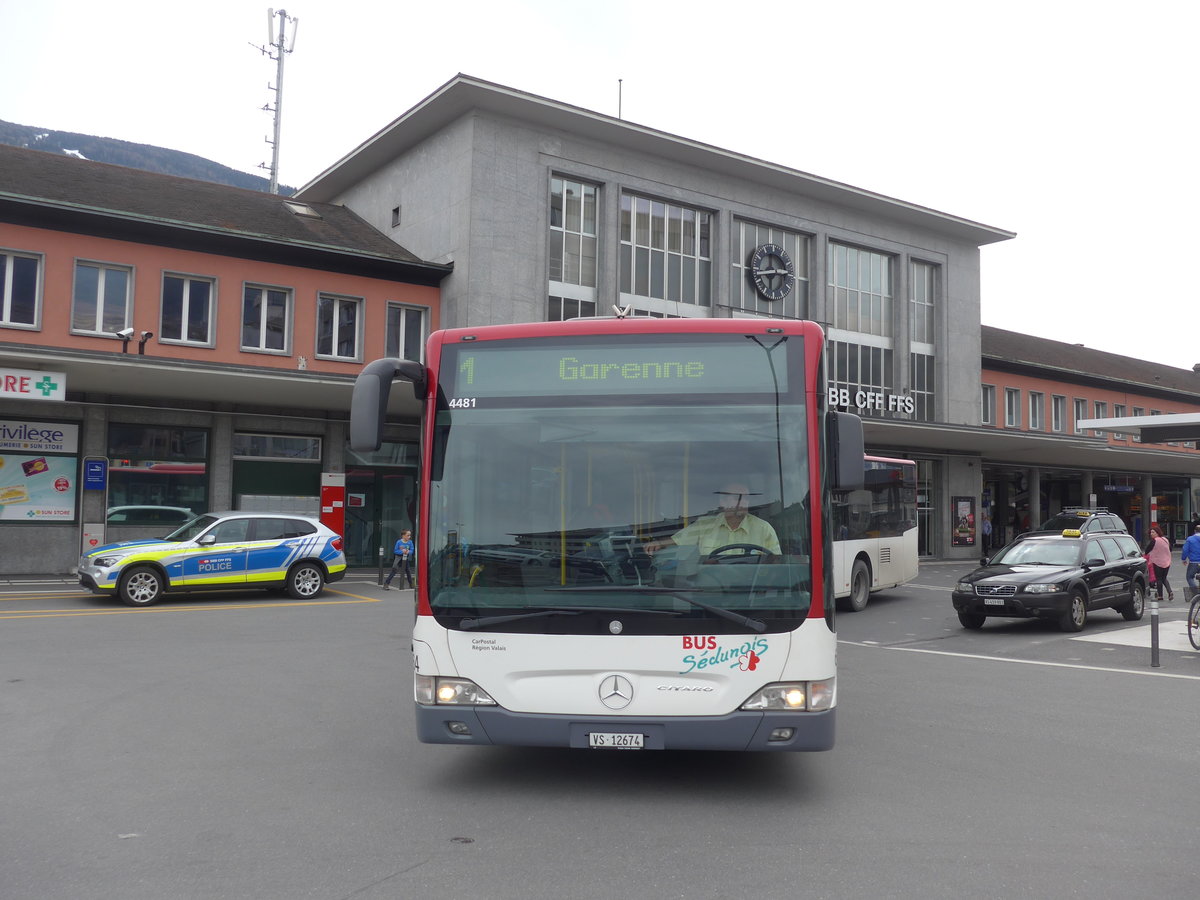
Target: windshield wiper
[752, 624]
[484, 621]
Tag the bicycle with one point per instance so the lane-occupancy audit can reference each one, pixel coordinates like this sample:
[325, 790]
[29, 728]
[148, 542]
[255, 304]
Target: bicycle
[1194, 622]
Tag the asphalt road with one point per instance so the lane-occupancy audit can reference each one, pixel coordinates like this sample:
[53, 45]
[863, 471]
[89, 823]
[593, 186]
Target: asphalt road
[255, 747]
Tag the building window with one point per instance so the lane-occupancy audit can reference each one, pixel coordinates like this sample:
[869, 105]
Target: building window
[1037, 411]
[1058, 413]
[922, 291]
[1080, 414]
[862, 368]
[186, 310]
[860, 285]
[266, 319]
[1012, 408]
[338, 326]
[1138, 411]
[666, 253]
[748, 237]
[562, 308]
[280, 447]
[1119, 413]
[987, 404]
[152, 465]
[405, 331]
[1101, 412]
[921, 380]
[101, 298]
[573, 240]
[20, 281]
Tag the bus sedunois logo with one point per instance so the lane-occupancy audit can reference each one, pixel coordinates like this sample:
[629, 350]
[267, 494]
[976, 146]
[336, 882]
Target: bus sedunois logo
[616, 692]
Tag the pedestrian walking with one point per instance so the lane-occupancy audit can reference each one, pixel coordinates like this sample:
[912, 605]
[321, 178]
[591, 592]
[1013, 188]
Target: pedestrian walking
[1158, 556]
[1191, 556]
[402, 556]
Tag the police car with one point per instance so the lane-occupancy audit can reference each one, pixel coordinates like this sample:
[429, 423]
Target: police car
[277, 551]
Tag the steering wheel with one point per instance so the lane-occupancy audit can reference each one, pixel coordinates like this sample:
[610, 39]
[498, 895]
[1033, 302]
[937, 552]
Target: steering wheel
[751, 553]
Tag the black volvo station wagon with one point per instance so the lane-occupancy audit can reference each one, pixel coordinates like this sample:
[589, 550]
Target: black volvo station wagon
[1060, 576]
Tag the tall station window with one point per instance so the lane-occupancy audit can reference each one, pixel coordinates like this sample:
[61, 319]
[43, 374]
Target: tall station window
[187, 310]
[1081, 413]
[783, 292]
[20, 289]
[1037, 411]
[1012, 408]
[666, 256]
[101, 298]
[922, 295]
[860, 296]
[573, 249]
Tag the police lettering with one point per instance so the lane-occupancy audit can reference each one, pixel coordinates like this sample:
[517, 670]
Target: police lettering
[216, 565]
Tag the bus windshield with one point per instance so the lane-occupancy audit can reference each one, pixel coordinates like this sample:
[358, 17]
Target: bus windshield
[680, 502]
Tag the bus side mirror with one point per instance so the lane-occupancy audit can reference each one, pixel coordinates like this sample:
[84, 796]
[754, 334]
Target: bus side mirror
[844, 437]
[368, 404]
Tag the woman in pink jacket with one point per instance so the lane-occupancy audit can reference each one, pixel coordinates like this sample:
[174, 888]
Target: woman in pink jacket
[1158, 554]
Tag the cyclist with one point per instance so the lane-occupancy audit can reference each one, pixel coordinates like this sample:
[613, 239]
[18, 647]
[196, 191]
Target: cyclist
[1191, 556]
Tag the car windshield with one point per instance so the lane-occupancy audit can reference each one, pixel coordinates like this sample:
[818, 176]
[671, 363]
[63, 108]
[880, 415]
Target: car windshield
[189, 530]
[624, 502]
[1061, 552]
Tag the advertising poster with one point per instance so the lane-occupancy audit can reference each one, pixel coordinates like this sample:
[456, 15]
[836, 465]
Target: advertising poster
[963, 527]
[35, 487]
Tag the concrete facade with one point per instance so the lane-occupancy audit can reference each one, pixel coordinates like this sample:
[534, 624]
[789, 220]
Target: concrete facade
[465, 178]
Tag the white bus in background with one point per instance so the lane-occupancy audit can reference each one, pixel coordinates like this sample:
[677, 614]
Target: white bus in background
[875, 532]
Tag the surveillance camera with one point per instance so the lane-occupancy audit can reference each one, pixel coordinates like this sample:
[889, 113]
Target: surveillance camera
[146, 335]
[124, 334]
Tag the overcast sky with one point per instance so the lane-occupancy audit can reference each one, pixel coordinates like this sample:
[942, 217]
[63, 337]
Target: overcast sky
[1071, 123]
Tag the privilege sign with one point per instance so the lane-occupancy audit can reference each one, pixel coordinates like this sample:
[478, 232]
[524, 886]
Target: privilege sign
[28, 435]
[28, 384]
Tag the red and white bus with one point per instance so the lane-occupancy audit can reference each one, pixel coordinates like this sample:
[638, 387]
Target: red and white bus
[623, 537]
[875, 532]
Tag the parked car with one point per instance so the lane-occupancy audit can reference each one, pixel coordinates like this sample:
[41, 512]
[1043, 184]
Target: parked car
[220, 550]
[1061, 576]
[1083, 519]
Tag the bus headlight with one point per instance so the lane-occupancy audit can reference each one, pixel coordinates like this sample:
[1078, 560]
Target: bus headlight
[442, 691]
[792, 695]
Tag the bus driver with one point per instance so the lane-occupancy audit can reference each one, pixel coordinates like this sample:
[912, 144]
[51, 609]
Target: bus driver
[733, 525]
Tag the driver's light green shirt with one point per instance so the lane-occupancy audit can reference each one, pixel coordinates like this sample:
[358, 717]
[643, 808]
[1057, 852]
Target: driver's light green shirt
[710, 533]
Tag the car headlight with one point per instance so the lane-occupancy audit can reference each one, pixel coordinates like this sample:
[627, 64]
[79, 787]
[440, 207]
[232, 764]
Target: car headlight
[1043, 588]
[442, 691]
[797, 696]
[964, 587]
[105, 562]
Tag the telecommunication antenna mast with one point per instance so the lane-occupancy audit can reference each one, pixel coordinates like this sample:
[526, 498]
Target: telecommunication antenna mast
[282, 47]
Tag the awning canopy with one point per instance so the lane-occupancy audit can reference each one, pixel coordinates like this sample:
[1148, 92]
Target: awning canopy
[1151, 429]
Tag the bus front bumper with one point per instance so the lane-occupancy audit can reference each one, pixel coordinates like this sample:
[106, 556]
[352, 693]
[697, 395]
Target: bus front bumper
[741, 730]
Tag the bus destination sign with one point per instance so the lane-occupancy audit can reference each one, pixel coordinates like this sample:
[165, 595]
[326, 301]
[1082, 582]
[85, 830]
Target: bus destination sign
[724, 367]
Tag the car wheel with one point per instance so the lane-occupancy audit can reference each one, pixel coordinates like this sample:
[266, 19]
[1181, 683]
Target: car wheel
[1132, 611]
[141, 586]
[860, 588]
[1076, 615]
[971, 620]
[305, 580]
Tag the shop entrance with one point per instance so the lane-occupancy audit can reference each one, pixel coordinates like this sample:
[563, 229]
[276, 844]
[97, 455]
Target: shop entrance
[380, 503]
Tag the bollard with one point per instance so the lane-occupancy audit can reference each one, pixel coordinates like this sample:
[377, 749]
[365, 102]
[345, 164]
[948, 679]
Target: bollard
[380, 579]
[1154, 631]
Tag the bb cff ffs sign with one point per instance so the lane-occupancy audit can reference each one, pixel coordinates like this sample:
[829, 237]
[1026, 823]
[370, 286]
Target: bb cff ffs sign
[27, 384]
[880, 401]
